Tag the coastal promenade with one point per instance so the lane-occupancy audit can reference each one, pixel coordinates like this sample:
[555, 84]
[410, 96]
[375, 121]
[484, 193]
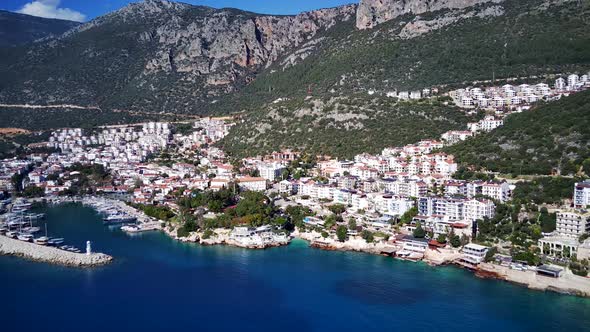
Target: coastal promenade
[51, 255]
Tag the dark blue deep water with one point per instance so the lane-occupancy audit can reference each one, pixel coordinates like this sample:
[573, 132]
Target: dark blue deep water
[157, 284]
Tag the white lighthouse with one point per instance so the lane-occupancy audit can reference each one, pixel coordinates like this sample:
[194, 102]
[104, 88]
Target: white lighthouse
[88, 248]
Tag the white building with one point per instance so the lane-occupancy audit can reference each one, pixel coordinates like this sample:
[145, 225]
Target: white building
[582, 194]
[270, 171]
[474, 253]
[252, 183]
[573, 223]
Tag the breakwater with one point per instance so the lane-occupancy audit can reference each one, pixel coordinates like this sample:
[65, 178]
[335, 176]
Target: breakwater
[52, 255]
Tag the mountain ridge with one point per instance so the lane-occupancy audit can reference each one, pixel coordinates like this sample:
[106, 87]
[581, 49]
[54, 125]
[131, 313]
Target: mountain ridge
[17, 29]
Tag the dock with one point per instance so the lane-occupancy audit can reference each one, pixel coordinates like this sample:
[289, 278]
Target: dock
[51, 255]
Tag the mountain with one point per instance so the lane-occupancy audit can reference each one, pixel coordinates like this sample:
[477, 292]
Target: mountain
[440, 49]
[551, 139]
[17, 29]
[157, 56]
[162, 57]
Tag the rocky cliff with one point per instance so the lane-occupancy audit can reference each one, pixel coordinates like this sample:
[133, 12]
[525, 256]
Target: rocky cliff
[373, 12]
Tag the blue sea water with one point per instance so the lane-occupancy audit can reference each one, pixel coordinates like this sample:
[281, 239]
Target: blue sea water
[158, 284]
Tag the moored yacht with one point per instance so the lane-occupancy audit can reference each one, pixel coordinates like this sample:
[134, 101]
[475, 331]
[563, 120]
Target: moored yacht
[43, 240]
[25, 237]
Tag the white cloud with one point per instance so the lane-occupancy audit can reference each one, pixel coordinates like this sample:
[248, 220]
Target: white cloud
[49, 9]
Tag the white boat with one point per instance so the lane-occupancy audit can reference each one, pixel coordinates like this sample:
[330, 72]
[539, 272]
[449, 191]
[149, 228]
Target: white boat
[25, 237]
[131, 228]
[11, 234]
[118, 218]
[43, 240]
[31, 229]
[55, 241]
[21, 206]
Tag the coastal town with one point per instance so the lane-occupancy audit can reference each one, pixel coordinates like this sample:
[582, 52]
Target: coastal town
[406, 202]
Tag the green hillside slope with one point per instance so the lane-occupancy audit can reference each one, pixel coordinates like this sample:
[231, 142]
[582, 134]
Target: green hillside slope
[553, 138]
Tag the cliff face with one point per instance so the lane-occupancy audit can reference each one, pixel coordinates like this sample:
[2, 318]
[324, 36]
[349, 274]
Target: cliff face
[373, 12]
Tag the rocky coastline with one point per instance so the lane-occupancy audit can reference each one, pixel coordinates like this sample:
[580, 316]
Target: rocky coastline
[220, 236]
[35, 252]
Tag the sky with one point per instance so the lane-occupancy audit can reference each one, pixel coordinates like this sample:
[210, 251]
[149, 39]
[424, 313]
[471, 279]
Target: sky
[84, 10]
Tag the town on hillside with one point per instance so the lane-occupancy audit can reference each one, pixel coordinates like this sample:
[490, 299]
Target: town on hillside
[408, 201]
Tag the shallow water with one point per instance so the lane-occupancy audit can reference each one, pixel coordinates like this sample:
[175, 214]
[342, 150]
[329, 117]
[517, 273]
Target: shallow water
[159, 284]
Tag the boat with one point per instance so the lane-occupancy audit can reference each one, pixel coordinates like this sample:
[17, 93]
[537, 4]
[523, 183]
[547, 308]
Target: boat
[118, 219]
[21, 206]
[131, 228]
[70, 249]
[55, 241]
[11, 234]
[31, 229]
[24, 237]
[43, 240]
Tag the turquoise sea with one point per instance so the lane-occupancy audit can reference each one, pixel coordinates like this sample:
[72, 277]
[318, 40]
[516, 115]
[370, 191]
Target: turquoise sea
[157, 284]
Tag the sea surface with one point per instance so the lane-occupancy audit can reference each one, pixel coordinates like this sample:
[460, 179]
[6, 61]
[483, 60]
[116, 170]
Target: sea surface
[158, 284]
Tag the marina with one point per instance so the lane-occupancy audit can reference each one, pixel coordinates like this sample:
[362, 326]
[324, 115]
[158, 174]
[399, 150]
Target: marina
[21, 225]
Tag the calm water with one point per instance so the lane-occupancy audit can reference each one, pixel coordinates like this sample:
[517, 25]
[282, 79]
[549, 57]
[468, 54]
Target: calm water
[158, 284]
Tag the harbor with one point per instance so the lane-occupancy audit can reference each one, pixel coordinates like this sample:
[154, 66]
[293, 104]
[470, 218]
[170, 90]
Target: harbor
[118, 214]
[19, 236]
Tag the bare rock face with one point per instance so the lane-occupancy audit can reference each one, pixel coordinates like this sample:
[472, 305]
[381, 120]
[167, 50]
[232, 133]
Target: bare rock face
[373, 12]
[221, 45]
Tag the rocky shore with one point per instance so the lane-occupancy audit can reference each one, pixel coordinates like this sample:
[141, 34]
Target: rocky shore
[221, 236]
[51, 255]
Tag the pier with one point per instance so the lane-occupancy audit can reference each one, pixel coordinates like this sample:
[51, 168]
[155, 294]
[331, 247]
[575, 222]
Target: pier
[51, 255]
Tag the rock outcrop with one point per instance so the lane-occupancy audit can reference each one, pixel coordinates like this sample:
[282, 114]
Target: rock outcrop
[373, 12]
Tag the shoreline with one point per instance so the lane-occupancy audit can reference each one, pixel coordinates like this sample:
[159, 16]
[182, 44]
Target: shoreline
[39, 253]
[568, 284]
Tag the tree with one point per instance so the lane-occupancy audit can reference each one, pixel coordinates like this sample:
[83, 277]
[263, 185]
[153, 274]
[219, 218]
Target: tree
[442, 238]
[337, 208]
[325, 234]
[409, 215]
[490, 254]
[341, 233]
[352, 223]
[419, 231]
[455, 241]
[368, 236]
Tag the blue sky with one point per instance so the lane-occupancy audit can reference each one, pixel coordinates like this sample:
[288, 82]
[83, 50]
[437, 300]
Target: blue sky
[84, 10]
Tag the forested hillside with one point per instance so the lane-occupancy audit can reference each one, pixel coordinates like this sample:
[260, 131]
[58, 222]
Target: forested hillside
[343, 126]
[551, 139]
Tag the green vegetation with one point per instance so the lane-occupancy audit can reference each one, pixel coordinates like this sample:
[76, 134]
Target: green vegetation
[33, 191]
[550, 190]
[367, 236]
[580, 267]
[419, 232]
[155, 211]
[553, 138]
[409, 215]
[341, 233]
[490, 254]
[85, 179]
[343, 126]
